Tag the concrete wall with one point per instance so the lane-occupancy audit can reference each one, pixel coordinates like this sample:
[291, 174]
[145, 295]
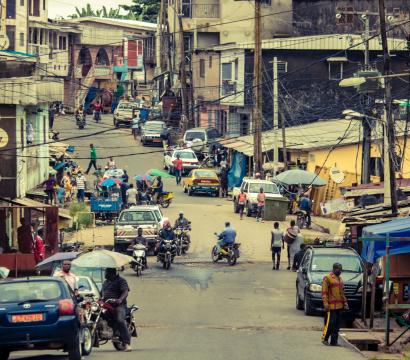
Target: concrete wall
[206, 86]
[233, 57]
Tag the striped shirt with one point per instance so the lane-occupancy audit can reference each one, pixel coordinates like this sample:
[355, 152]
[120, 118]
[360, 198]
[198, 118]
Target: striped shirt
[80, 182]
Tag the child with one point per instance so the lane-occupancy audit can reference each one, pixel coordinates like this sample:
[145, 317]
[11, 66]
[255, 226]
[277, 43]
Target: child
[60, 196]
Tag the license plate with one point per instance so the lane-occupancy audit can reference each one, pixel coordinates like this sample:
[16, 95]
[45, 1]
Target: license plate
[156, 140]
[206, 181]
[26, 318]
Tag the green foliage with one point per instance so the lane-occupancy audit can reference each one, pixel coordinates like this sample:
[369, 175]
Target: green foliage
[84, 219]
[145, 10]
[110, 13]
[76, 207]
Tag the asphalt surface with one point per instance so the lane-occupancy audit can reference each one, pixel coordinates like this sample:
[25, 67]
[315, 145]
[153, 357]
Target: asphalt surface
[197, 309]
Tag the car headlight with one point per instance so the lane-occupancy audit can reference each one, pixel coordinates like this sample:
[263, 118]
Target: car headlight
[315, 288]
[94, 307]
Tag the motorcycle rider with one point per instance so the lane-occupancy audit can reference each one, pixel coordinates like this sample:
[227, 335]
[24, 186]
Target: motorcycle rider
[115, 287]
[305, 204]
[142, 240]
[166, 233]
[79, 112]
[158, 189]
[183, 222]
[226, 237]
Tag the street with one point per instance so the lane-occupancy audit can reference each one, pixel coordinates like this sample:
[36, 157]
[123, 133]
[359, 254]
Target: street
[197, 309]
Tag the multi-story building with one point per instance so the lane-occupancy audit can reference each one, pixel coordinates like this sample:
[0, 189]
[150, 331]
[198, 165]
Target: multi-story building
[27, 87]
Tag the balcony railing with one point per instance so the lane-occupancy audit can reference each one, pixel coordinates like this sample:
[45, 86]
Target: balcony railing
[198, 11]
[228, 87]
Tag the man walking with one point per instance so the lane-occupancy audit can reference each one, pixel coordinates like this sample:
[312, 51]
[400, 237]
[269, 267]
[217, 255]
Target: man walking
[260, 198]
[276, 245]
[178, 168]
[93, 159]
[334, 301]
[80, 181]
[68, 276]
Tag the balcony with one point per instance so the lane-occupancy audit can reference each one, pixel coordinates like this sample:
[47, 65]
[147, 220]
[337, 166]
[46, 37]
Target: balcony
[228, 87]
[200, 11]
[42, 51]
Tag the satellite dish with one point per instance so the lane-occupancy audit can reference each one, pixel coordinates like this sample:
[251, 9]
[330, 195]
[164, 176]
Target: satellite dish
[336, 175]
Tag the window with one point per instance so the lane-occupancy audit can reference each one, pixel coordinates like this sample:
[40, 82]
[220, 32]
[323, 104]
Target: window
[266, 2]
[11, 34]
[30, 290]
[227, 71]
[21, 39]
[210, 61]
[44, 5]
[335, 70]
[36, 8]
[11, 9]
[62, 43]
[202, 68]
[236, 69]
[346, 15]
[324, 263]
[21, 2]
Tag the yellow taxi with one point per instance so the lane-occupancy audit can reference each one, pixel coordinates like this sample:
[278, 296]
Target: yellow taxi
[205, 181]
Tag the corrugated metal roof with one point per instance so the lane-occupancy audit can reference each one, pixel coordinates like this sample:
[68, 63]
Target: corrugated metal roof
[321, 42]
[317, 135]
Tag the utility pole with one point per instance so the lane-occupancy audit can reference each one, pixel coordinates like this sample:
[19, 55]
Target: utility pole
[389, 176]
[284, 151]
[257, 92]
[275, 114]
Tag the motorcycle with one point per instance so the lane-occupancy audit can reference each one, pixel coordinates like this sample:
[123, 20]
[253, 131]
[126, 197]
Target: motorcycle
[100, 319]
[138, 253]
[80, 120]
[182, 240]
[164, 200]
[302, 219]
[167, 254]
[229, 252]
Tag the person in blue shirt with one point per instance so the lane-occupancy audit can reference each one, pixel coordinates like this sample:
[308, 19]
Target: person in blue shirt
[226, 237]
[305, 204]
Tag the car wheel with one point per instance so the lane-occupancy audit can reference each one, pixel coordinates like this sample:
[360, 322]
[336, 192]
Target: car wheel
[185, 190]
[190, 192]
[74, 349]
[308, 306]
[86, 341]
[299, 303]
[4, 354]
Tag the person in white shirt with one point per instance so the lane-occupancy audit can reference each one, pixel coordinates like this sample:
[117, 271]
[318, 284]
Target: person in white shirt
[68, 276]
[276, 245]
[131, 195]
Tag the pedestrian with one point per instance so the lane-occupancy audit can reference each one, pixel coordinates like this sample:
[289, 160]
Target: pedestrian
[93, 159]
[49, 188]
[38, 248]
[68, 276]
[334, 301]
[51, 114]
[241, 203]
[135, 127]
[223, 175]
[289, 238]
[124, 187]
[66, 182]
[60, 196]
[111, 164]
[131, 195]
[260, 198]
[297, 259]
[125, 177]
[80, 182]
[178, 169]
[276, 245]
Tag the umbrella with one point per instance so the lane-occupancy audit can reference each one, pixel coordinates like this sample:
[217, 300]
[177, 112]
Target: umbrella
[300, 177]
[163, 174]
[108, 182]
[102, 259]
[4, 272]
[143, 178]
[58, 257]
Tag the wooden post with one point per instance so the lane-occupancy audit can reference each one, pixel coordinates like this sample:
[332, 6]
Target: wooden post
[373, 296]
[364, 292]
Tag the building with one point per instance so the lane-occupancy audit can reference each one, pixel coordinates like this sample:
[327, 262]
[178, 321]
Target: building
[109, 58]
[309, 71]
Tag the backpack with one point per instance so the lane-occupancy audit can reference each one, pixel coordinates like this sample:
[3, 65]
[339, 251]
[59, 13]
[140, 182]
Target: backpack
[290, 236]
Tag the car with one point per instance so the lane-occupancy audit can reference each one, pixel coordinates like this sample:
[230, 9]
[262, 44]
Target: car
[188, 157]
[123, 114]
[202, 181]
[40, 313]
[202, 139]
[94, 275]
[148, 217]
[151, 132]
[88, 288]
[251, 188]
[315, 265]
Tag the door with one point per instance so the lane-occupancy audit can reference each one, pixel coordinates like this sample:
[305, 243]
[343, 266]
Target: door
[302, 274]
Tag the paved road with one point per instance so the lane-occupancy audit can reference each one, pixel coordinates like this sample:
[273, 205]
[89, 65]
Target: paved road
[200, 310]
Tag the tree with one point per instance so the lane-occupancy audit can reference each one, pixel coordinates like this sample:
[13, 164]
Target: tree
[102, 13]
[145, 10]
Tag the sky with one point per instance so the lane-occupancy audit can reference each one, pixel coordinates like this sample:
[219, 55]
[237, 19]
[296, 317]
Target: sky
[66, 7]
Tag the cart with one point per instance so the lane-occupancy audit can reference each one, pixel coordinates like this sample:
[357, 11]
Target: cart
[106, 203]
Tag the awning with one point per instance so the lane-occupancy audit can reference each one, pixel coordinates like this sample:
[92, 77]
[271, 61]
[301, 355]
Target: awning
[399, 228]
[337, 59]
[38, 205]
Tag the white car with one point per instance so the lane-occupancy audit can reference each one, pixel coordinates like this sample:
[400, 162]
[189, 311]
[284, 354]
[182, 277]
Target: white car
[188, 157]
[124, 113]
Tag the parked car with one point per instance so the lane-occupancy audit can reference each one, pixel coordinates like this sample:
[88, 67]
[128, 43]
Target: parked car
[123, 114]
[316, 264]
[188, 157]
[40, 313]
[151, 132]
[88, 288]
[251, 188]
[202, 140]
[148, 217]
[204, 181]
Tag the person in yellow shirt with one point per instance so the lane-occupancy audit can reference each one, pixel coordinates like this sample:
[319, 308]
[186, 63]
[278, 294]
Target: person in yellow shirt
[334, 301]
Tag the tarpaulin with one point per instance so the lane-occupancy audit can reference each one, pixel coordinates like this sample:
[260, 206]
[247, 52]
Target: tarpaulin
[399, 228]
[237, 170]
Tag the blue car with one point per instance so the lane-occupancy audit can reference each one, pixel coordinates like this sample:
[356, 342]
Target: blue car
[40, 313]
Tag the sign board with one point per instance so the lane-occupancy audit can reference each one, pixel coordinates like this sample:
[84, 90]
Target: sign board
[336, 175]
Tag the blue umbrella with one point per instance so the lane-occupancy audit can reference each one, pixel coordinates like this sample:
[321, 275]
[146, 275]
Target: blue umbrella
[143, 178]
[108, 182]
[58, 257]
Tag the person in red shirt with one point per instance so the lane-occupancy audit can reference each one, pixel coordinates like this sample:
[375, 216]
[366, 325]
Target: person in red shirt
[38, 247]
[98, 109]
[178, 169]
[241, 203]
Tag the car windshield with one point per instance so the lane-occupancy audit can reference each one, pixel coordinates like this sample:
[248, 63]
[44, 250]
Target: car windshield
[137, 216]
[158, 215]
[205, 174]
[29, 290]
[185, 155]
[125, 107]
[267, 188]
[191, 135]
[83, 284]
[153, 127]
[350, 263]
